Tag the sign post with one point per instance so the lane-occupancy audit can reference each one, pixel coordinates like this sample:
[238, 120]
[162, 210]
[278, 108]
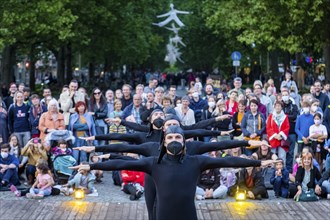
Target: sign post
[236, 56]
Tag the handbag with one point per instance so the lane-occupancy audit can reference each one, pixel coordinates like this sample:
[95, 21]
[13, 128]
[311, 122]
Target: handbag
[308, 196]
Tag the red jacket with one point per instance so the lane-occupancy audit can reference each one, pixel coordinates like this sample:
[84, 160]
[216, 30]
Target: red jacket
[132, 177]
[234, 108]
[273, 129]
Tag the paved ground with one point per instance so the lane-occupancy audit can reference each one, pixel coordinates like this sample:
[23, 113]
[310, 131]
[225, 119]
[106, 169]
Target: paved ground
[114, 204]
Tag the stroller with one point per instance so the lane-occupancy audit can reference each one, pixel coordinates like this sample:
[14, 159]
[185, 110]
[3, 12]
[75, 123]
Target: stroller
[59, 162]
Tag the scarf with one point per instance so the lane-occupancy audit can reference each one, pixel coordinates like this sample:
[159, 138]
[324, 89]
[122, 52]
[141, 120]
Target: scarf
[278, 118]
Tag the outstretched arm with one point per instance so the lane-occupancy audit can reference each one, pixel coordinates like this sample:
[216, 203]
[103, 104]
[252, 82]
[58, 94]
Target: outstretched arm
[203, 147]
[211, 163]
[135, 126]
[201, 124]
[133, 138]
[129, 148]
[200, 133]
[144, 165]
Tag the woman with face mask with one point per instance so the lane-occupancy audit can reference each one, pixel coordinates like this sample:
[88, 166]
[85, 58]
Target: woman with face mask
[318, 134]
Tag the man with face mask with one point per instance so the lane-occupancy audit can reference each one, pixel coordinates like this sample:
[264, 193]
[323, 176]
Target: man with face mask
[303, 122]
[291, 110]
[8, 167]
[174, 170]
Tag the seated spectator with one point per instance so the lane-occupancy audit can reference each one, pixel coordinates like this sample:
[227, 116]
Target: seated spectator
[82, 180]
[8, 167]
[61, 149]
[34, 151]
[133, 181]
[168, 107]
[197, 104]
[251, 180]
[325, 182]
[327, 160]
[307, 178]
[208, 184]
[43, 185]
[264, 152]
[220, 110]
[15, 150]
[185, 114]
[231, 103]
[280, 179]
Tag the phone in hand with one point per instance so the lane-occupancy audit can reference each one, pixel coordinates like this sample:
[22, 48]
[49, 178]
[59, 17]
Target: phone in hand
[35, 140]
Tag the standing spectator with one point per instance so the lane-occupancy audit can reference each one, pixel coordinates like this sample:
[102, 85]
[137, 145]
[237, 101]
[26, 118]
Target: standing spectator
[288, 82]
[10, 99]
[168, 107]
[127, 98]
[18, 119]
[231, 103]
[324, 99]
[197, 105]
[82, 125]
[225, 122]
[118, 94]
[253, 124]
[237, 120]
[159, 94]
[237, 86]
[172, 94]
[133, 111]
[36, 110]
[318, 134]
[45, 93]
[209, 91]
[8, 165]
[110, 100]
[263, 99]
[291, 111]
[68, 100]
[99, 110]
[3, 123]
[303, 123]
[151, 87]
[207, 113]
[277, 128]
[51, 120]
[185, 114]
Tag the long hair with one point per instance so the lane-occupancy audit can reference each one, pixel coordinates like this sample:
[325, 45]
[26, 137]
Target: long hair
[92, 100]
[216, 111]
[307, 156]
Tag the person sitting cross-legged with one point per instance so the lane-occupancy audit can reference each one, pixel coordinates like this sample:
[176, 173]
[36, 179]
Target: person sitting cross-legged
[280, 179]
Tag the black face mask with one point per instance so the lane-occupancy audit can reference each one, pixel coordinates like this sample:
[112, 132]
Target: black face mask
[175, 147]
[159, 122]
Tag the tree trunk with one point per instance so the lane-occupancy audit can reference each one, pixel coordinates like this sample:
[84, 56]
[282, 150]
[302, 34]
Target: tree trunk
[7, 72]
[326, 55]
[61, 66]
[32, 80]
[273, 55]
[68, 63]
[91, 71]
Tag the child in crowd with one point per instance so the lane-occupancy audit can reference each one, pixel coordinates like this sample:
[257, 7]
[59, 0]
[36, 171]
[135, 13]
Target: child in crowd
[61, 148]
[43, 185]
[83, 180]
[96, 158]
[280, 179]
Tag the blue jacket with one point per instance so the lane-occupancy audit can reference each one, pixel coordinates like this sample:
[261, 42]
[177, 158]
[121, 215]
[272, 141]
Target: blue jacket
[249, 124]
[302, 125]
[284, 178]
[198, 107]
[11, 159]
[128, 111]
[89, 119]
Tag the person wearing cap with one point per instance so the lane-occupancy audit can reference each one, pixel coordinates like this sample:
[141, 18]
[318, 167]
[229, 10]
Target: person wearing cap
[174, 170]
[237, 86]
[280, 179]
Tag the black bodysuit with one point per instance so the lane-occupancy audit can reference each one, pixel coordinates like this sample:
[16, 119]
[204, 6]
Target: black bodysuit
[152, 149]
[175, 180]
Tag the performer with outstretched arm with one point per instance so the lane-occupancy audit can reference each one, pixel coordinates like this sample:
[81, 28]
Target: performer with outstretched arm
[174, 170]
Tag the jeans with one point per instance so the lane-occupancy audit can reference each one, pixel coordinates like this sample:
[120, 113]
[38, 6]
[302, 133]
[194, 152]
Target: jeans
[326, 185]
[218, 193]
[280, 152]
[327, 162]
[45, 192]
[23, 137]
[279, 189]
[290, 153]
[10, 176]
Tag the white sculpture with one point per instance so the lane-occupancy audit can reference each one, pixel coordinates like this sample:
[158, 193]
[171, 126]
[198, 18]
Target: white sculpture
[177, 39]
[174, 29]
[173, 54]
[171, 15]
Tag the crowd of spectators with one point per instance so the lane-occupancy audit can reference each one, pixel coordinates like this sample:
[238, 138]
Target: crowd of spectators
[294, 128]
